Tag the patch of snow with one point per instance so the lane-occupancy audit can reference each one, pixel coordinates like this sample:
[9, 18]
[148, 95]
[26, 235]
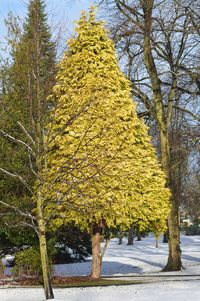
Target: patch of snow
[176, 291]
[143, 258]
[8, 260]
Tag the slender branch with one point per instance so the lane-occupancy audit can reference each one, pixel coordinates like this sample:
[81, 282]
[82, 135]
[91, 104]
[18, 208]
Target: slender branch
[128, 15]
[24, 214]
[105, 247]
[31, 166]
[18, 177]
[26, 132]
[184, 90]
[34, 227]
[143, 97]
[24, 224]
[195, 116]
[17, 140]
[144, 114]
[171, 97]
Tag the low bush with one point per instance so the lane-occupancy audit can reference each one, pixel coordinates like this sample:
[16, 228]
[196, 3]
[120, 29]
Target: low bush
[28, 263]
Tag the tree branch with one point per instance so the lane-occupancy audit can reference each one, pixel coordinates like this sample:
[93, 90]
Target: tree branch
[18, 177]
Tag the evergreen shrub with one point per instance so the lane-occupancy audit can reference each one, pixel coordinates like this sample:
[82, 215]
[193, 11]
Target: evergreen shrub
[28, 263]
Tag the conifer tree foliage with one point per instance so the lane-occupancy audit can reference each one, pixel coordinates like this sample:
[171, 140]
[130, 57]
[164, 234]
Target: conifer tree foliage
[26, 110]
[25, 86]
[101, 166]
[33, 67]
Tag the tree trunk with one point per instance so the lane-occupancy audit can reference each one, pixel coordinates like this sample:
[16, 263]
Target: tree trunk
[45, 267]
[174, 258]
[139, 238]
[43, 251]
[157, 242]
[130, 236]
[163, 121]
[103, 251]
[96, 250]
[165, 237]
[120, 237]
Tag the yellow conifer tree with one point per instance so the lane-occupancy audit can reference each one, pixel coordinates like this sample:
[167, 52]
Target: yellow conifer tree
[101, 166]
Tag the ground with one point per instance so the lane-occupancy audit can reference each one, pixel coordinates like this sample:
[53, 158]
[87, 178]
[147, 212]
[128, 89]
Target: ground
[141, 261]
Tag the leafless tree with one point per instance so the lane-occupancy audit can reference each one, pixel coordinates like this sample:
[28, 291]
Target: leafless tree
[158, 43]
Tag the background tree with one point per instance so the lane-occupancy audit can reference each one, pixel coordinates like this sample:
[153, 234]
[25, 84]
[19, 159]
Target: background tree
[15, 197]
[155, 41]
[25, 111]
[101, 166]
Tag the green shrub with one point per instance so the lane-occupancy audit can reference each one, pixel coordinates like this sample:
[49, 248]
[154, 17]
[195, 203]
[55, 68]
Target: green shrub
[28, 263]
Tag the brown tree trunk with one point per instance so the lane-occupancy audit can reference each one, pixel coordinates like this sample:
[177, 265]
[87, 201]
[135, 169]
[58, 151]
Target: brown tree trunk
[174, 258]
[163, 121]
[160, 104]
[96, 253]
[130, 236]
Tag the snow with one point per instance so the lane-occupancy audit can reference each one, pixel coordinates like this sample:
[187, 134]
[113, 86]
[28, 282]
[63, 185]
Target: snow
[142, 257]
[140, 260]
[147, 292]
[8, 259]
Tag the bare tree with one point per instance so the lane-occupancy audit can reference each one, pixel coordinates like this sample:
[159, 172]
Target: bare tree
[157, 45]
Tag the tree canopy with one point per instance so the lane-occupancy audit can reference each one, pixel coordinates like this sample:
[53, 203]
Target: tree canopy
[101, 165]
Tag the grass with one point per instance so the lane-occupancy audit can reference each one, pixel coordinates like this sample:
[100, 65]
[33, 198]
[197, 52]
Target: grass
[87, 282]
[67, 282]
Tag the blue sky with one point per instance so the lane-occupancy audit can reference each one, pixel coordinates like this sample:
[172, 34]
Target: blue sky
[63, 12]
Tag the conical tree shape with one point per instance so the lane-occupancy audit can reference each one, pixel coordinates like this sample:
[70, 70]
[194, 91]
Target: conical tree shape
[102, 167]
[27, 108]
[33, 68]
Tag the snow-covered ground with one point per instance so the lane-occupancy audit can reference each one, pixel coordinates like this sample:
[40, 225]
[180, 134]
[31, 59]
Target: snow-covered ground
[140, 259]
[148, 292]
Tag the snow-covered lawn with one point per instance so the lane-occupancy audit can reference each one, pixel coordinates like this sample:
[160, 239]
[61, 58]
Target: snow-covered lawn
[140, 259]
[147, 292]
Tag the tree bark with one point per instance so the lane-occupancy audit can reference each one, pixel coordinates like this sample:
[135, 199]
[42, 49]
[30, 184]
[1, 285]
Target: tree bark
[163, 121]
[174, 259]
[45, 267]
[43, 251]
[160, 104]
[96, 253]
[40, 152]
[130, 236]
